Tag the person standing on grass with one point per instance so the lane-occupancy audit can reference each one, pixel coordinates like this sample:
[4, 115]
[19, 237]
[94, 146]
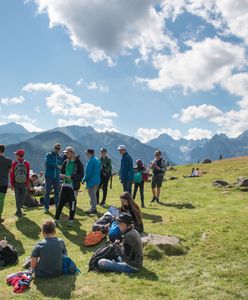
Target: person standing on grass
[106, 172]
[159, 167]
[72, 173]
[5, 167]
[139, 182]
[126, 171]
[92, 178]
[19, 179]
[52, 175]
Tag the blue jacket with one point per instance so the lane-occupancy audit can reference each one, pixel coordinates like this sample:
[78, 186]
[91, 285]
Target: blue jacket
[53, 160]
[126, 172]
[93, 170]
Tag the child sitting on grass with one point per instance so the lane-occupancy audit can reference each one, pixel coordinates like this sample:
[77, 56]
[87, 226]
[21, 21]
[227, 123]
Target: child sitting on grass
[46, 259]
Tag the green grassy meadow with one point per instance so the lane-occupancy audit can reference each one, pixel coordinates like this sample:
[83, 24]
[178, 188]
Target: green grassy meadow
[212, 223]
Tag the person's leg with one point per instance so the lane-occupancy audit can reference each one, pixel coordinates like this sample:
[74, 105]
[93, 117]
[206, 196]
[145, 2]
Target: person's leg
[3, 191]
[62, 203]
[17, 191]
[142, 193]
[130, 184]
[124, 184]
[136, 185]
[98, 194]
[23, 193]
[48, 187]
[104, 190]
[112, 266]
[73, 204]
[93, 201]
[153, 186]
[56, 187]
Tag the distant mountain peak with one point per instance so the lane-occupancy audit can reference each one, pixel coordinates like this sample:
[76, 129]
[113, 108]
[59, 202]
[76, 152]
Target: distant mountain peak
[12, 127]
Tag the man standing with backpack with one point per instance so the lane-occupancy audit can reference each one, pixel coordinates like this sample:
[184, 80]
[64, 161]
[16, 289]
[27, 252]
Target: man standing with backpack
[159, 168]
[106, 172]
[126, 172]
[19, 179]
[5, 167]
[52, 175]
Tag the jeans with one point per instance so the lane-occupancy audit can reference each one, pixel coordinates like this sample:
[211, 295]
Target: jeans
[68, 195]
[141, 187]
[127, 186]
[3, 191]
[55, 183]
[93, 200]
[20, 194]
[113, 266]
[104, 186]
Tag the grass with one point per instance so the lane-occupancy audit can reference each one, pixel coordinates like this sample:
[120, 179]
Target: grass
[212, 223]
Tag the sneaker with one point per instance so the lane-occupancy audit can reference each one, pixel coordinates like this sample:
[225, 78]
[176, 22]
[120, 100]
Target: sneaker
[157, 199]
[102, 204]
[143, 205]
[70, 223]
[46, 211]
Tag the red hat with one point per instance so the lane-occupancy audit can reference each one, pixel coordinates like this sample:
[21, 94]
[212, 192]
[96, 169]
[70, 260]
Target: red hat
[20, 152]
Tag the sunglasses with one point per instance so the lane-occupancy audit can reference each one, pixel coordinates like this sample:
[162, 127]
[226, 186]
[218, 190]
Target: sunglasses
[57, 148]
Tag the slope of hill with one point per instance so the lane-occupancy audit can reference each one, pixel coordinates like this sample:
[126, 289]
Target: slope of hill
[12, 127]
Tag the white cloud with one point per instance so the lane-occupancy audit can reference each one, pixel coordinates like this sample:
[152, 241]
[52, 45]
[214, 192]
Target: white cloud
[30, 127]
[147, 134]
[198, 134]
[24, 120]
[12, 101]
[206, 64]
[194, 112]
[106, 31]
[62, 102]
[77, 122]
[101, 87]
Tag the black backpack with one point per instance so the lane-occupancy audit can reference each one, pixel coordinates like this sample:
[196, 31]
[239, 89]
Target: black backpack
[9, 255]
[108, 251]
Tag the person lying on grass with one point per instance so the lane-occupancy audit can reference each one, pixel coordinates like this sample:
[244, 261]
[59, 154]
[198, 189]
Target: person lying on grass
[131, 249]
[46, 259]
[128, 205]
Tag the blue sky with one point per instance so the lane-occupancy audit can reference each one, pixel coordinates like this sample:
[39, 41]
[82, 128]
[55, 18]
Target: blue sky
[139, 67]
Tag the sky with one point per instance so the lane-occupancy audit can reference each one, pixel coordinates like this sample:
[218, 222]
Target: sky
[139, 67]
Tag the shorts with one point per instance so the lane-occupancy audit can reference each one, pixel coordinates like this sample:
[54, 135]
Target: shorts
[157, 181]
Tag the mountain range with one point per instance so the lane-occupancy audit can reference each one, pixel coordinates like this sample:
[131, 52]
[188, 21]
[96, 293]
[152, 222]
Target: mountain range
[81, 138]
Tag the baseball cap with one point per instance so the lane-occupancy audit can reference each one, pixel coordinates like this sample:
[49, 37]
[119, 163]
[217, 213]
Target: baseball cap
[122, 147]
[103, 150]
[20, 152]
[125, 218]
[69, 149]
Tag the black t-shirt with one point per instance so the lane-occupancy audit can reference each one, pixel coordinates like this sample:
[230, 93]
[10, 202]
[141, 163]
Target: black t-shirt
[5, 166]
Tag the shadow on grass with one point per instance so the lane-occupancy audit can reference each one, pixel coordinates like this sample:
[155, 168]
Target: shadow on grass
[178, 205]
[10, 237]
[65, 285]
[28, 228]
[153, 218]
[146, 274]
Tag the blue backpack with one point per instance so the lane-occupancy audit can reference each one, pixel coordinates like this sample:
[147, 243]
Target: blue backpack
[114, 232]
[138, 177]
[69, 267]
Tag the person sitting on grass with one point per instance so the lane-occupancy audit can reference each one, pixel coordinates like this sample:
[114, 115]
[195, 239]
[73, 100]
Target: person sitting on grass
[46, 258]
[128, 205]
[194, 173]
[30, 200]
[131, 249]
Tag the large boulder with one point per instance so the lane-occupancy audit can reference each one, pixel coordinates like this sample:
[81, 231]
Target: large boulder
[220, 183]
[242, 181]
[173, 178]
[160, 240]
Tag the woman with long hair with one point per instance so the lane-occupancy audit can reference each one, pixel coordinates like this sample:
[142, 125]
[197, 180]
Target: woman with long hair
[128, 205]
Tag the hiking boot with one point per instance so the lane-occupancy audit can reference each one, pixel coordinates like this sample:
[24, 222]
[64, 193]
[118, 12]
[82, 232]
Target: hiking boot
[143, 205]
[157, 199]
[102, 204]
[70, 223]
[153, 199]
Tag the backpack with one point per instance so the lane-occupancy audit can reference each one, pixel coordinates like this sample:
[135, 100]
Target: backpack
[9, 255]
[138, 177]
[107, 251]
[114, 232]
[69, 267]
[20, 172]
[103, 223]
[93, 238]
[145, 177]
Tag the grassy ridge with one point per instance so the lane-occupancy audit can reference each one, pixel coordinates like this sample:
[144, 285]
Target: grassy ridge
[212, 222]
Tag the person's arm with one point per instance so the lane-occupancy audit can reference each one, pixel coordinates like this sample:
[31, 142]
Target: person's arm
[64, 248]
[28, 173]
[49, 162]
[125, 168]
[12, 174]
[110, 165]
[89, 170]
[63, 168]
[34, 262]
[80, 172]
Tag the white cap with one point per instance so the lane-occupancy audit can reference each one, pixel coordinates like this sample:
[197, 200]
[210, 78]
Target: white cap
[122, 147]
[69, 149]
